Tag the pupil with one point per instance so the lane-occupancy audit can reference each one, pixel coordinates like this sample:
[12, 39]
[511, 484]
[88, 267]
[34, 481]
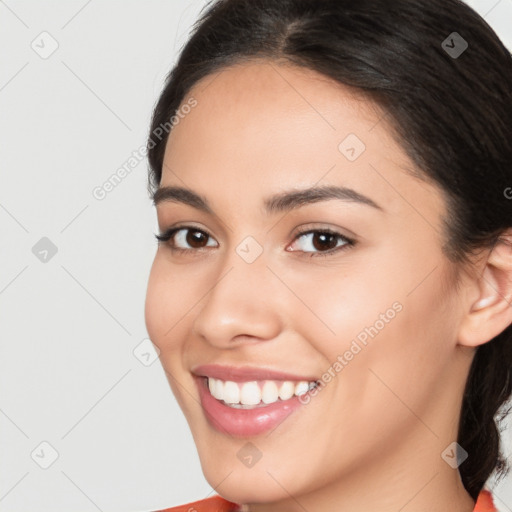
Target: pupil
[330, 238]
[194, 238]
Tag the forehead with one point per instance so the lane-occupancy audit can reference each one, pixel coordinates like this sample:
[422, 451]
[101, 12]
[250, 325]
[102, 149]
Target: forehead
[262, 126]
[283, 99]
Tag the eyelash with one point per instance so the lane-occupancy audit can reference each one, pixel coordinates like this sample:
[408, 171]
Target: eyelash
[166, 236]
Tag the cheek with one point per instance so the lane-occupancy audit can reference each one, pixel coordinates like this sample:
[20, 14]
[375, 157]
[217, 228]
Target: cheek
[154, 305]
[384, 318]
[166, 304]
[165, 308]
[339, 304]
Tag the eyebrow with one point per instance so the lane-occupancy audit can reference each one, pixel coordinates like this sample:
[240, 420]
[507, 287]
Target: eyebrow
[281, 202]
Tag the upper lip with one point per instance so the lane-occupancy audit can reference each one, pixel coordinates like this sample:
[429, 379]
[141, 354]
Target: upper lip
[246, 373]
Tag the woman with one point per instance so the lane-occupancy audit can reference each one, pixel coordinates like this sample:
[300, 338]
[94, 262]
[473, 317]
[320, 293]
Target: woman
[331, 292]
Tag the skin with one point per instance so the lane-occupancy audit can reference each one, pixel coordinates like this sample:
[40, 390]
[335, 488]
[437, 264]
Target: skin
[373, 437]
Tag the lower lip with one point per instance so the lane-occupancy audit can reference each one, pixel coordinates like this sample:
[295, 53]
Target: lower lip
[244, 422]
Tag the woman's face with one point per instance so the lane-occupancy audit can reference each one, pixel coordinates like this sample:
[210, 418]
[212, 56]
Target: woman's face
[373, 320]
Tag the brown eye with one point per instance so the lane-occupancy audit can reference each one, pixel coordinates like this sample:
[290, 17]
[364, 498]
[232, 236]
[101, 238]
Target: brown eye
[324, 241]
[186, 238]
[196, 238]
[321, 242]
[190, 238]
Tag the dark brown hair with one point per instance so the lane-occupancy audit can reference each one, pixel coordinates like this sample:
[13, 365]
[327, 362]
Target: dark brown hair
[449, 106]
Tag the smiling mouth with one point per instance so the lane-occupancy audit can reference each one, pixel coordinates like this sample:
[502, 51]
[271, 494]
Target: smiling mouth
[247, 401]
[256, 393]
[244, 420]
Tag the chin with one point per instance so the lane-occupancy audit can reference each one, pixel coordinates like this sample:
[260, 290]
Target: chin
[264, 482]
[244, 486]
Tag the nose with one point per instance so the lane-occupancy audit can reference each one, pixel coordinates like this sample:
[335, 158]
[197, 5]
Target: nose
[241, 305]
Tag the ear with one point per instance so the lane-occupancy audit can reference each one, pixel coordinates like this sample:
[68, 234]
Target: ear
[491, 312]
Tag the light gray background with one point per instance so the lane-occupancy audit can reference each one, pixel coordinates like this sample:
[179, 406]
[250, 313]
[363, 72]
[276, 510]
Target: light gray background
[69, 326]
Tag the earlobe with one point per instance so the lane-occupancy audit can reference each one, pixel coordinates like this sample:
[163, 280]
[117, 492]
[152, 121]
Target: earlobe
[491, 313]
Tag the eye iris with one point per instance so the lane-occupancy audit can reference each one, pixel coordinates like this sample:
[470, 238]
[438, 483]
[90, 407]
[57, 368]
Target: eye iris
[327, 241]
[195, 238]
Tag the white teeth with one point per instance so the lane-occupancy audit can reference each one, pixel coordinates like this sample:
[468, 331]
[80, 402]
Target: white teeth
[218, 389]
[231, 392]
[287, 390]
[211, 386]
[301, 388]
[269, 393]
[249, 394]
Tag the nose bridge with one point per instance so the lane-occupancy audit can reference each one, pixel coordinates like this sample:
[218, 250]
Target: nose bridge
[240, 300]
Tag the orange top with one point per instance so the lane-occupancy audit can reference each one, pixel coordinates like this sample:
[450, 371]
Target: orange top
[484, 503]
